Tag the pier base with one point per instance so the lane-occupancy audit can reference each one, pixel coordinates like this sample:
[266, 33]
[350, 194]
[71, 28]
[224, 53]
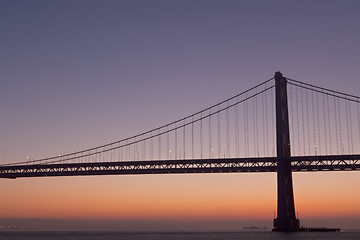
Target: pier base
[286, 225]
[302, 229]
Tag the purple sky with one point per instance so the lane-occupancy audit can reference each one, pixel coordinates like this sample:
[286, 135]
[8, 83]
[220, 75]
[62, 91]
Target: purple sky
[81, 73]
[77, 74]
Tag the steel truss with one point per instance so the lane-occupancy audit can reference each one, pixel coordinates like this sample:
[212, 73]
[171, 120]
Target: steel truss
[223, 165]
[326, 163]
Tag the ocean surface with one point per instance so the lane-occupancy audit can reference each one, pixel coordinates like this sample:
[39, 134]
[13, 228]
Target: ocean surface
[159, 235]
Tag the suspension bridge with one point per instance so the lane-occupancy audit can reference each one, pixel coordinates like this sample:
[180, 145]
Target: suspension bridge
[249, 132]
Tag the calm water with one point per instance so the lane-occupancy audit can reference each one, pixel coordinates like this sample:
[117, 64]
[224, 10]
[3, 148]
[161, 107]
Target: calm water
[123, 235]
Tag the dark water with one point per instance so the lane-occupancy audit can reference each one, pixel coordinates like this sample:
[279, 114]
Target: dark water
[126, 235]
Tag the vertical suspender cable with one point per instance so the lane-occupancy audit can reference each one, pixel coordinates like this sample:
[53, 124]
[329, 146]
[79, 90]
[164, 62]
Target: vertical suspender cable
[329, 124]
[159, 142]
[210, 133]
[254, 125]
[176, 147]
[336, 126]
[167, 143]
[134, 149]
[263, 122]
[351, 132]
[347, 125]
[137, 151]
[245, 126]
[318, 122]
[292, 122]
[340, 127]
[121, 154]
[151, 147]
[143, 150]
[236, 111]
[273, 124]
[303, 120]
[297, 119]
[201, 141]
[218, 132]
[184, 140]
[313, 122]
[267, 124]
[227, 131]
[257, 124]
[358, 118]
[307, 120]
[192, 137]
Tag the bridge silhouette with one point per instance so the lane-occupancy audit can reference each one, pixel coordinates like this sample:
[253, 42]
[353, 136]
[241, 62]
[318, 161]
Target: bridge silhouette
[249, 132]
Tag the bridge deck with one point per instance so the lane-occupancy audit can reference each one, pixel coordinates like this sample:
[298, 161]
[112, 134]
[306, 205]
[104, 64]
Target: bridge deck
[225, 165]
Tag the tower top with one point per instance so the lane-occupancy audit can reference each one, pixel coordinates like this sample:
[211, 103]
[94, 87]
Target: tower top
[278, 75]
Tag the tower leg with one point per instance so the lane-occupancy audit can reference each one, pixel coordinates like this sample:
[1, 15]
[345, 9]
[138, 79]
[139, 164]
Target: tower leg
[286, 219]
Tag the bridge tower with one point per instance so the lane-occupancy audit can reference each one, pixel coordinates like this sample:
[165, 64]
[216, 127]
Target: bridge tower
[286, 219]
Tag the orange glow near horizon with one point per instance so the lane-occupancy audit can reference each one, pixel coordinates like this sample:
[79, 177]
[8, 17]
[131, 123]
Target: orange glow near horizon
[201, 196]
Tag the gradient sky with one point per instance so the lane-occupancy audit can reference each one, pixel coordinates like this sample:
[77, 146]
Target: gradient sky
[78, 74]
